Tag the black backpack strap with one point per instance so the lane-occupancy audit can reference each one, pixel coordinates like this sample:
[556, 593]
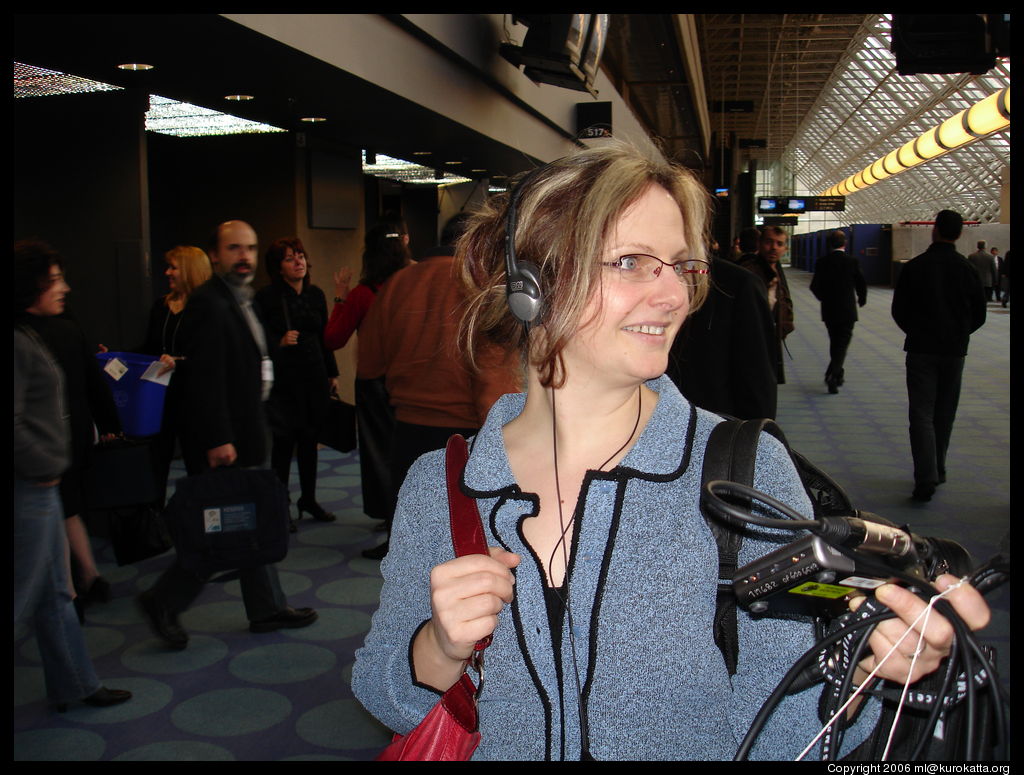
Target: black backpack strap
[730, 455]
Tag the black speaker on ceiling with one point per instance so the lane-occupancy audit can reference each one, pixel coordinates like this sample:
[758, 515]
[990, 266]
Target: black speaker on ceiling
[942, 43]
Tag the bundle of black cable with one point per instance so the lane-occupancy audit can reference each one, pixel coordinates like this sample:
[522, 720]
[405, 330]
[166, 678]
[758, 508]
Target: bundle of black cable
[954, 714]
[958, 713]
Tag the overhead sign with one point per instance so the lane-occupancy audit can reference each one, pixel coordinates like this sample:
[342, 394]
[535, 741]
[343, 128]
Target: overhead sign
[828, 203]
[782, 205]
[780, 220]
[731, 106]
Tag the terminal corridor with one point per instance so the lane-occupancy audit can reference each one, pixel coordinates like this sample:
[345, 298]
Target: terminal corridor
[285, 696]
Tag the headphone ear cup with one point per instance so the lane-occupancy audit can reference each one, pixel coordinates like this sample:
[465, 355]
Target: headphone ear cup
[524, 296]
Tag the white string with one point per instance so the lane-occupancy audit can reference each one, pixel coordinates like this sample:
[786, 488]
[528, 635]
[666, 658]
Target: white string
[906, 686]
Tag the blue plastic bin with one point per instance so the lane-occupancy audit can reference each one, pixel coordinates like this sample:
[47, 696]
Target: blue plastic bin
[140, 403]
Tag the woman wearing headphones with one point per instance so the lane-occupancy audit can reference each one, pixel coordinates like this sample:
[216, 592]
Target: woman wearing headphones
[601, 581]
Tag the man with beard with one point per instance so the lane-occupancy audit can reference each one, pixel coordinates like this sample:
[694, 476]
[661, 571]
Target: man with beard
[223, 424]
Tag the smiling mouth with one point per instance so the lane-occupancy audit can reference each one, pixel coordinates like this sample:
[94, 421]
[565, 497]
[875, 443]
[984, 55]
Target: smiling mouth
[653, 330]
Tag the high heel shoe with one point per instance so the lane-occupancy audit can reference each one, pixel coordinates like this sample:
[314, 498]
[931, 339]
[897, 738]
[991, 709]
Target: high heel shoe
[315, 510]
[101, 698]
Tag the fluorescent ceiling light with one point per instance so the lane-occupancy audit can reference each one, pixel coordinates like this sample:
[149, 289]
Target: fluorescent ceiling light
[407, 172]
[181, 119]
[32, 81]
[165, 116]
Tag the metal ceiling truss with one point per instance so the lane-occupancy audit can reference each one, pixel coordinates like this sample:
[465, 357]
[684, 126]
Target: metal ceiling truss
[866, 110]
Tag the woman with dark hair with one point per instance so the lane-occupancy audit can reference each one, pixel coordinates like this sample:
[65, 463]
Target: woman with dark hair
[92, 413]
[167, 335]
[42, 456]
[386, 250]
[600, 583]
[294, 313]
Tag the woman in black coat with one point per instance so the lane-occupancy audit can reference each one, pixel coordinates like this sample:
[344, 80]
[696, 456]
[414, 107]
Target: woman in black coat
[167, 336]
[294, 314]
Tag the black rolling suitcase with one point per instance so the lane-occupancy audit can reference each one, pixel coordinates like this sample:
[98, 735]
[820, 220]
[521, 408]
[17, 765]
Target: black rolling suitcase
[229, 518]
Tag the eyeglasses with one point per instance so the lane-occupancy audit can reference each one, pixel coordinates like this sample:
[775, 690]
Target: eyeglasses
[641, 268]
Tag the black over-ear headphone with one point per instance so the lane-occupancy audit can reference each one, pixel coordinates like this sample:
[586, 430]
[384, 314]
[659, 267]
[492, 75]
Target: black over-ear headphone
[522, 278]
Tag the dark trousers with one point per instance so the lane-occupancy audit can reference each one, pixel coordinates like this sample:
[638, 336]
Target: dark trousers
[375, 425]
[303, 445]
[933, 390]
[839, 336]
[177, 588]
[410, 441]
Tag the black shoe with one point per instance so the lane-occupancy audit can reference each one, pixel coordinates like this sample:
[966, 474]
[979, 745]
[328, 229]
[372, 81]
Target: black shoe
[833, 385]
[101, 698]
[98, 592]
[923, 492]
[377, 552]
[315, 510]
[286, 618]
[161, 621]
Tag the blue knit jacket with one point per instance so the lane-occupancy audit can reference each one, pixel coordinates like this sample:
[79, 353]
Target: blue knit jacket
[638, 654]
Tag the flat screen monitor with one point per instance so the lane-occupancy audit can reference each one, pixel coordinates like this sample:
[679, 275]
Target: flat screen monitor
[596, 37]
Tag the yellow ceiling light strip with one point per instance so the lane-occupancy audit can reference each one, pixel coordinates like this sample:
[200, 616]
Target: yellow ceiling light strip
[990, 115]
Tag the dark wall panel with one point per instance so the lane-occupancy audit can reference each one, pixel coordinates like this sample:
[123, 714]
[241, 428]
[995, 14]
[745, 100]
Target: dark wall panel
[80, 184]
[199, 182]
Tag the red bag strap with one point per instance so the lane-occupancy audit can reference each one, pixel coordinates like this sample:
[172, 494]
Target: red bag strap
[467, 528]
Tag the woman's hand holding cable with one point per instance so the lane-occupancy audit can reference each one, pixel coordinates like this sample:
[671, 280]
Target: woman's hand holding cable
[904, 632]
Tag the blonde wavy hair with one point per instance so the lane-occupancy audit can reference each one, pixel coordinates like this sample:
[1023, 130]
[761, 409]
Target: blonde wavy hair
[565, 215]
[194, 269]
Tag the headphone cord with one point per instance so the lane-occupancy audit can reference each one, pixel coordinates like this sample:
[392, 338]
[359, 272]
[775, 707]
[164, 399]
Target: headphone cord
[561, 543]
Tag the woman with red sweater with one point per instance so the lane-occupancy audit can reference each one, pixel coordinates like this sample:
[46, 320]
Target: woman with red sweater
[386, 250]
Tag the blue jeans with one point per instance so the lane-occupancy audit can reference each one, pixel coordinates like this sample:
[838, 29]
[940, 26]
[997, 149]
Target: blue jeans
[41, 592]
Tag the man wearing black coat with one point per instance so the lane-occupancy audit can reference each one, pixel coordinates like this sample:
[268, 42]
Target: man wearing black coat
[721, 359]
[839, 285]
[767, 264]
[938, 303]
[223, 424]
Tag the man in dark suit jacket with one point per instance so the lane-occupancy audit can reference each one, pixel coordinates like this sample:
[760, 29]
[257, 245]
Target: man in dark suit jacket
[938, 303]
[722, 358]
[839, 285]
[767, 264]
[229, 378]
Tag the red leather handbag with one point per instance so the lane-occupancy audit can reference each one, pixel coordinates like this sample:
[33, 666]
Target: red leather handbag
[450, 731]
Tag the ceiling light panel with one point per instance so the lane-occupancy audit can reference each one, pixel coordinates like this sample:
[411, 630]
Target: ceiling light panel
[406, 172]
[181, 119]
[32, 81]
